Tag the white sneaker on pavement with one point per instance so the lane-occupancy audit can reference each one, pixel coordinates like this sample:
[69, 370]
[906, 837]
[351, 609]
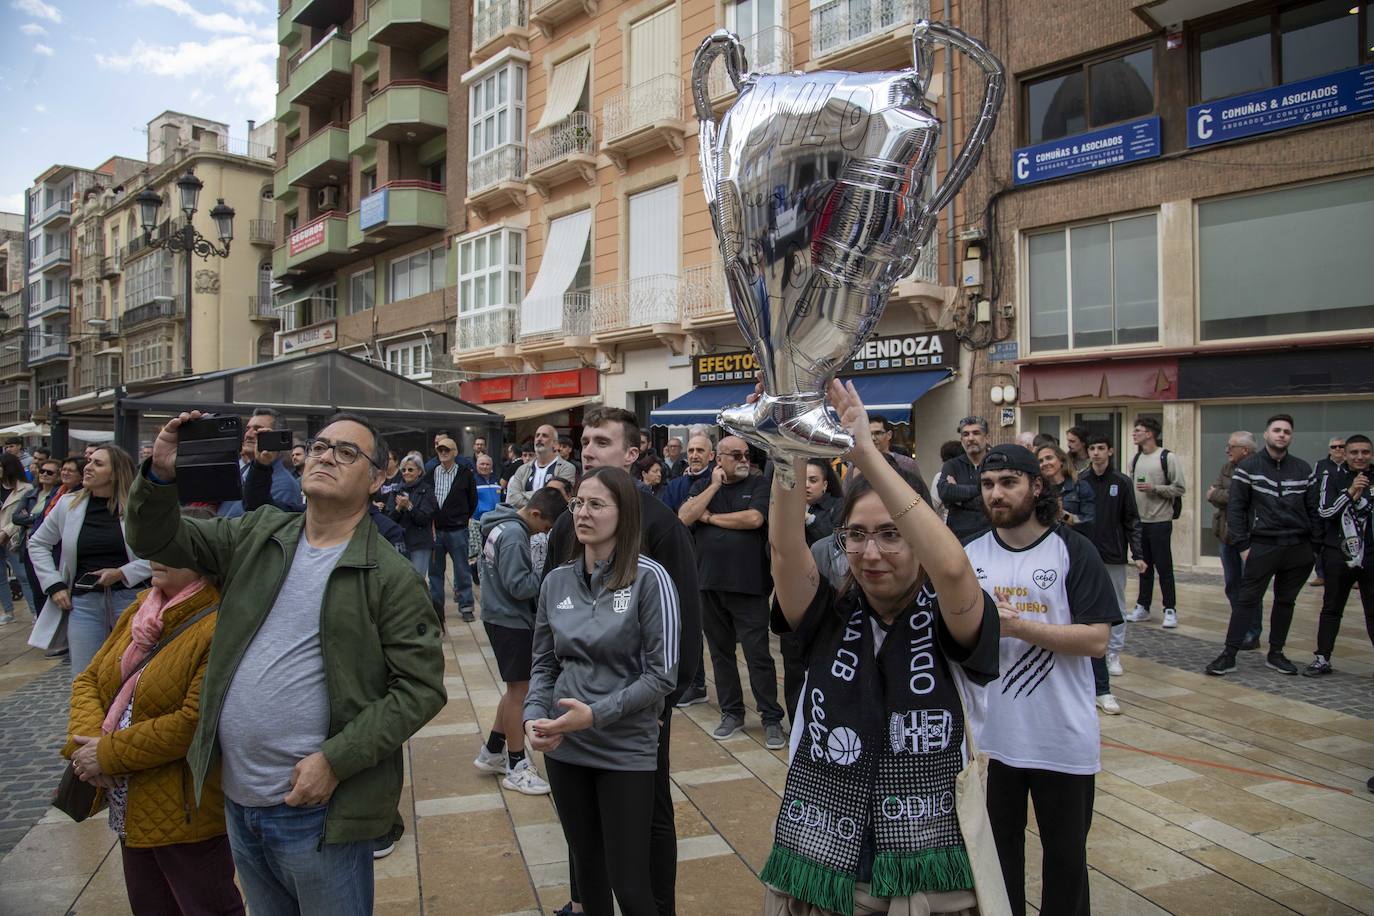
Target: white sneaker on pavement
[1170, 619]
[1114, 668]
[1108, 704]
[525, 779]
[488, 762]
[1137, 614]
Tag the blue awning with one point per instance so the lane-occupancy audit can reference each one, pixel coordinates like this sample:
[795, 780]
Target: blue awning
[889, 395]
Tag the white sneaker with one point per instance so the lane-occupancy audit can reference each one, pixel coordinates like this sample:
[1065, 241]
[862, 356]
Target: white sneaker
[6, 619]
[525, 779]
[488, 762]
[1108, 704]
[1114, 668]
[1170, 618]
[1137, 614]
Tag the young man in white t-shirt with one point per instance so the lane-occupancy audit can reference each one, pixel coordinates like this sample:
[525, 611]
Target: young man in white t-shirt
[1037, 721]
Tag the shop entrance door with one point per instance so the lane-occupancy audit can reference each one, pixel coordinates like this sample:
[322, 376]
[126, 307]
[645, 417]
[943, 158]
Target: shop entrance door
[1106, 423]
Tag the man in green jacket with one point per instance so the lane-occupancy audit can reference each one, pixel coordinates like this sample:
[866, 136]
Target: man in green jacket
[325, 660]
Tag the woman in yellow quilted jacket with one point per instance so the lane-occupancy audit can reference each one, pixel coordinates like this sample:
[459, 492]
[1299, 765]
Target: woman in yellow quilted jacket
[129, 738]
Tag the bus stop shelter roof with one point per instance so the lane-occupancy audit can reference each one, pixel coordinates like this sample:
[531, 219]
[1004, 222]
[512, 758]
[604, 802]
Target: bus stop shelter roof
[313, 383]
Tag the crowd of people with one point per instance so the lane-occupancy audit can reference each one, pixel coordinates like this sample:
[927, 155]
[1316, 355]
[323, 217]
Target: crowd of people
[302, 627]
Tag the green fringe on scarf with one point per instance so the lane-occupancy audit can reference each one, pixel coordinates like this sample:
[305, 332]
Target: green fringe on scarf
[901, 874]
[806, 880]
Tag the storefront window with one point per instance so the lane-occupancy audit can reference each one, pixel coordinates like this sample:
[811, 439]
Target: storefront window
[1287, 262]
[1095, 285]
[1314, 423]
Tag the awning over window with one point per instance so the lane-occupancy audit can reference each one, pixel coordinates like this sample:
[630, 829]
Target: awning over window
[889, 395]
[523, 410]
[297, 294]
[542, 309]
[565, 89]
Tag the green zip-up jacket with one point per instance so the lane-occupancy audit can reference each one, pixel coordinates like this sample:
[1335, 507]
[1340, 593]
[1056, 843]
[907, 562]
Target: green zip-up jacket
[383, 658]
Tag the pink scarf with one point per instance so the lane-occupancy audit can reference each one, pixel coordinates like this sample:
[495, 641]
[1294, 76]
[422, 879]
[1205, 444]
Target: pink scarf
[144, 631]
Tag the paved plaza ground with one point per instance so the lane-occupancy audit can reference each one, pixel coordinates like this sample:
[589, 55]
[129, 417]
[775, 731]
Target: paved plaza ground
[1239, 795]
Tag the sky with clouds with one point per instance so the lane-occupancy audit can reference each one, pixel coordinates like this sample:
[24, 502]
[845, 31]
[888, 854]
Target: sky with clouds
[80, 79]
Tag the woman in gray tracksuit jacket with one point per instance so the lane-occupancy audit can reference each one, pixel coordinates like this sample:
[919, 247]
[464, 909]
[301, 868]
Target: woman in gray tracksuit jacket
[605, 657]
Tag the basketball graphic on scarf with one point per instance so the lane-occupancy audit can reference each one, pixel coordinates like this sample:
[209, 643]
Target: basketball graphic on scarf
[844, 745]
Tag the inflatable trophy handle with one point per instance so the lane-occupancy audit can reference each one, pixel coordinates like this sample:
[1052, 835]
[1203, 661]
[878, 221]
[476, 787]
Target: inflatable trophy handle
[721, 42]
[994, 88]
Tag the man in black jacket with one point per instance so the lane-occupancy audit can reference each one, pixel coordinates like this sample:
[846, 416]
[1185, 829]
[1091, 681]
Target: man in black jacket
[959, 489]
[608, 437]
[1347, 512]
[1273, 521]
[1115, 532]
[455, 490]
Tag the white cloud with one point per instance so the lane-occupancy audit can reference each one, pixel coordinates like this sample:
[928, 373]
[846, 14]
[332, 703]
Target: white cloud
[43, 49]
[247, 7]
[12, 203]
[38, 9]
[33, 28]
[40, 108]
[246, 67]
[221, 23]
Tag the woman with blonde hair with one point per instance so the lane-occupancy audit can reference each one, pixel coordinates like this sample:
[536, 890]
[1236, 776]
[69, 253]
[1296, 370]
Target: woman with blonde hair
[98, 575]
[134, 710]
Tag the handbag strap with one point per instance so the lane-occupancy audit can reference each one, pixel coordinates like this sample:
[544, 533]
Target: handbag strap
[162, 643]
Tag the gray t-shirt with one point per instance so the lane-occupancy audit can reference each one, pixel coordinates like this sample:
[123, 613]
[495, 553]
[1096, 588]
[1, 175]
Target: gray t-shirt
[277, 709]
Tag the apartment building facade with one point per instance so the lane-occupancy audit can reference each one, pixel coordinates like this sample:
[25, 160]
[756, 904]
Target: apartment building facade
[588, 271]
[366, 200]
[1183, 198]
[14, 387]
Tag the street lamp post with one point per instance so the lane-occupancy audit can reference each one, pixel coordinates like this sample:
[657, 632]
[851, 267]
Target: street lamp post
[187, 239]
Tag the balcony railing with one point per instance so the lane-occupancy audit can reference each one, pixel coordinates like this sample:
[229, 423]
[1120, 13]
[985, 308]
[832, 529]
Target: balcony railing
[657, 99]
[568, 315]
[704, 293]
[47, 346]
[262, 231]
[928, 265]
[655, 299]
[135, 245]
[163, 307]
[840, 23]
[11, 361]
[57, 255]
[63, 300]
[263, 308]
[489, 328]
[768, 50]
[505, 163]
[110, 265]
[575, 134]
[496, 18]
[56, 208]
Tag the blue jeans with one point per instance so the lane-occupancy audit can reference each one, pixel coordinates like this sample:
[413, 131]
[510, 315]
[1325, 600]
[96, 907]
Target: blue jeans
[90, 621]
[452, 544]
[286, 868]
[15, 562]
[419, 558]
[1232, 568]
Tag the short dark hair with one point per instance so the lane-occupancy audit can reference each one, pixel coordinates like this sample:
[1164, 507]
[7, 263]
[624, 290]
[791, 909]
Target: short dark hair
[1080, 431]
[549, 502]
[1152, 426]
[527, 445]
[565, 439]
[1285, 417]
[1098, 439]
[14, 440]
[37, 450]
[278, 421]
[862, 486]
[882, 420]
[951, 449]
[1043, 439]
[379, 446]
[1358, 437]
[601, 416]
[973, 420]
[625, 563]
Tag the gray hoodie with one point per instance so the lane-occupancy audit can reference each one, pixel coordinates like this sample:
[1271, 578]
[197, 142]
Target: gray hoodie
[510, 582]
[615, 650]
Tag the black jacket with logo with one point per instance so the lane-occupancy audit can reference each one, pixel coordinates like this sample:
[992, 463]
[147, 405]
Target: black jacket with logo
[963, 498]
[1272, 502]
[1117, 525]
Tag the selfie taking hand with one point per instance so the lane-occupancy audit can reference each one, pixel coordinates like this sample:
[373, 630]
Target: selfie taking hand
[164, 457]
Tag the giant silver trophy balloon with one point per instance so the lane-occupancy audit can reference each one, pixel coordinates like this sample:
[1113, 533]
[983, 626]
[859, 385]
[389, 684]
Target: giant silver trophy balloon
[815, 183]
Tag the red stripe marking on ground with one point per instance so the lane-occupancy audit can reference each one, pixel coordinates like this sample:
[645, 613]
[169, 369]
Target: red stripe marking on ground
[1226, 766]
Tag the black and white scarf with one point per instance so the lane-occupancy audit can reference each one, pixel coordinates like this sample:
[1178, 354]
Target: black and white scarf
[880, 750]
[1354, 524]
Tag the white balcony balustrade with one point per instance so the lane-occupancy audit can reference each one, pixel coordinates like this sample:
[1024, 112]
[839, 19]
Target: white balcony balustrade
[841, 23]
[768, 51]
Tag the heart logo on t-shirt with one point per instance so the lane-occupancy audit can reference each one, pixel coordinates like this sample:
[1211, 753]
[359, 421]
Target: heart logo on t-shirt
[1044, 577]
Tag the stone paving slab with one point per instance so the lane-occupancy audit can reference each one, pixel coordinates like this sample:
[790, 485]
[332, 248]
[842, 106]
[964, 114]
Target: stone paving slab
[33, 728]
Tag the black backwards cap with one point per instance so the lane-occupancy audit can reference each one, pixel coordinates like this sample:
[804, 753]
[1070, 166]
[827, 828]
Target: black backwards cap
[1010, 457]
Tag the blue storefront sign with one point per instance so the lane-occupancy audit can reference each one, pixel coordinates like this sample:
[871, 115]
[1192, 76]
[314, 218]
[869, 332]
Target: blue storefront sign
[1335, 95]
[372, 211]
[1004, 352]
[1098, 149]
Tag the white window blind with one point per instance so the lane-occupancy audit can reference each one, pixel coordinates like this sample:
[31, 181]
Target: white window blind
[542, 309]
[653, 46]
[565, 89]
[654, 228]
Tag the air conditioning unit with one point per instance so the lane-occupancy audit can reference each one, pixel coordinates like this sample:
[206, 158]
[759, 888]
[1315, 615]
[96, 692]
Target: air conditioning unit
[328, 198]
